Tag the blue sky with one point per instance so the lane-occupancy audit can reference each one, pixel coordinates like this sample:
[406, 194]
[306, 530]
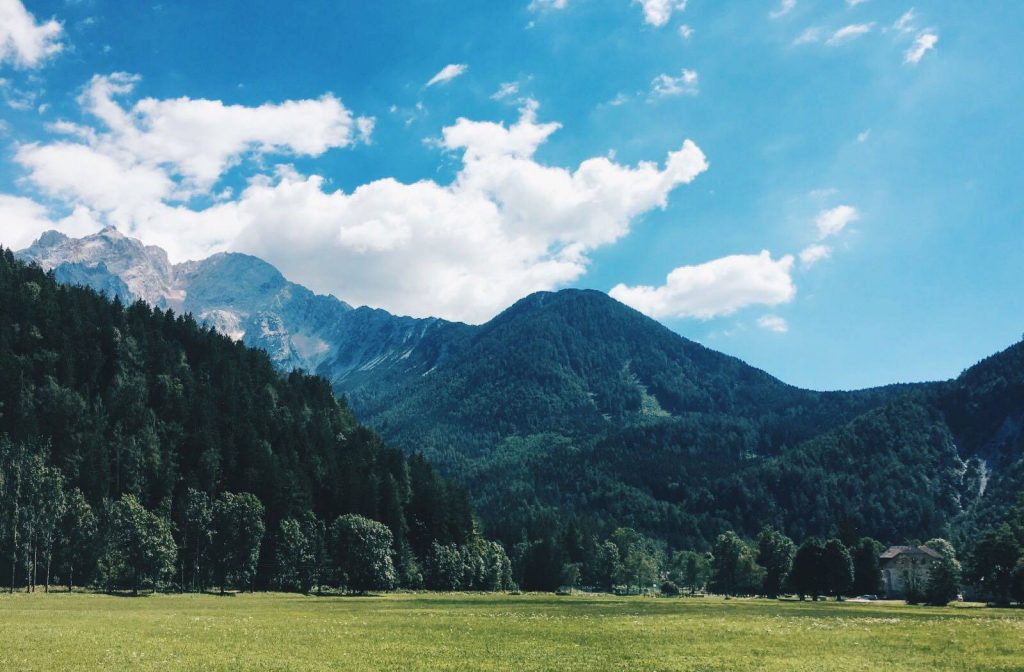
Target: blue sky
[871, 148]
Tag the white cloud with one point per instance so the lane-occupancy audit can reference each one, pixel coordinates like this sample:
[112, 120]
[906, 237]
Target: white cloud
[24, 42]
[685, 31]
[82, 174]
[812, 254]
[809, 36]
[863, 136]
[718, 287]
[448, 73]
[506, 90]
[854, 3]
[544, 5]
[22, 220]
[924, 42]
[830, 222]
[619, 99]
[773, 323]
[194, 140]
[850, 32]
[905, 24]
[666, 85]
[505, 226]
[658, 12]
[785, 7]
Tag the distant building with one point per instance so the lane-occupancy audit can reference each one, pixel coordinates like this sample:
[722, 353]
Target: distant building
[906, 568]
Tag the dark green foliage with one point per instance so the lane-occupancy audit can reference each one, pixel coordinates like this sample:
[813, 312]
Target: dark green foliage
[807, 577]
[32, 506]
[690, 570]
[77, 541]
[994, 561]
[867, 569]
[444, 569]
[195, 532]
[605, 566]
[139, 549]
[571, 404]
[294, 557]
[640, 559]
[361, 549]
[775, 552]
[538, 564]
[314, 531]
[142, 401]
[1017, 583]
[476, 565]
[236, 533]
[734, 568]
[837, 568]
[943, 583]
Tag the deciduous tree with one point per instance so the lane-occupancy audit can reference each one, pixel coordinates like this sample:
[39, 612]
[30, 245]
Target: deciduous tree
[775, 552]
[140, 549]
[237, 526]
[362, 550]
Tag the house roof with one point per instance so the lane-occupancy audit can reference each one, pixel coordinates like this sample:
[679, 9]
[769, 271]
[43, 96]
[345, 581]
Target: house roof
[894, 551]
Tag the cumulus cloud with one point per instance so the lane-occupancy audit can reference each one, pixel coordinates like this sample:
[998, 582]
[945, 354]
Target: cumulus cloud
[812, 254]
[23, 41]
[718, 287]
[24, 220]
[448, 73]
[664, 86]
[505, 226]
[195, 140]
[658, 12]
[923, 43]
[832, 221]
[848, 33]
[785, 7]
[773, 323]
[80, 173]
[685, 31]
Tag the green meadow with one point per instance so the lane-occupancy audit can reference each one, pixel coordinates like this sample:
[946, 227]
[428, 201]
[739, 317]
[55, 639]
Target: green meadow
[496, 632]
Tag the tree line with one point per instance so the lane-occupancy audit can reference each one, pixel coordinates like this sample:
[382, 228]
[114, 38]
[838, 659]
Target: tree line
[772, 564]
[50, 533]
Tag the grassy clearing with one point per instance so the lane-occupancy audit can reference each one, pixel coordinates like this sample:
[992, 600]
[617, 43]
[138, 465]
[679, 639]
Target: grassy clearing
[496, 632]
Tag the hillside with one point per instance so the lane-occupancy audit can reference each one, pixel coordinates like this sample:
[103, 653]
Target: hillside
[143, 401]
[579, 362]
[571, 410]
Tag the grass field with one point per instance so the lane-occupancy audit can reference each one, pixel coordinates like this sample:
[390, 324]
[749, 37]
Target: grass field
[496, 632]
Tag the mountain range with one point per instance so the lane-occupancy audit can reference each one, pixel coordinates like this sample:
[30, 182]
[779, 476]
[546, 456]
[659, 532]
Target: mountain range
[570, 406]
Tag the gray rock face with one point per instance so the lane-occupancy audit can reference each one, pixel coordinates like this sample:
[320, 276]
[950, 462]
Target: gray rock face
[249, 300]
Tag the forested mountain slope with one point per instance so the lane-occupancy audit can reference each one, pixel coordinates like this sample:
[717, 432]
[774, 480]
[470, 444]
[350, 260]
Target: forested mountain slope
[570, 406]
[579, 363]
[140, 400]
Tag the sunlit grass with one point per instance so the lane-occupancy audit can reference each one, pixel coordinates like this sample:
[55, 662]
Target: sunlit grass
[496, 632]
